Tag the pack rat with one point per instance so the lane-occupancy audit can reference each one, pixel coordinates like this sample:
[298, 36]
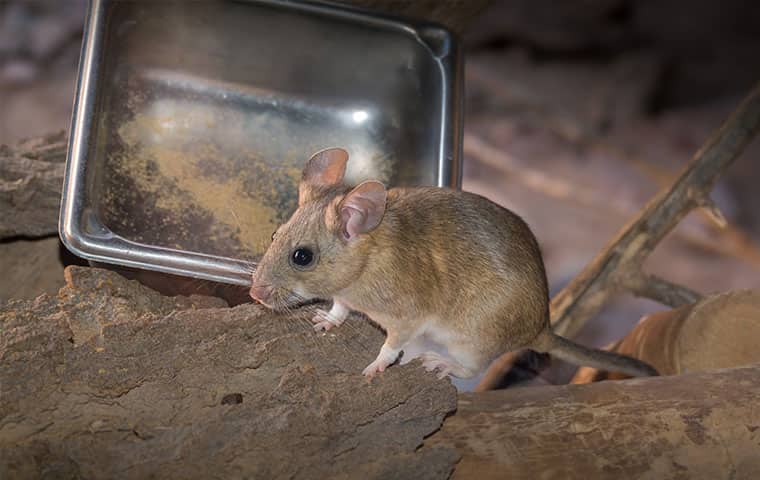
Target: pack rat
[428, 264]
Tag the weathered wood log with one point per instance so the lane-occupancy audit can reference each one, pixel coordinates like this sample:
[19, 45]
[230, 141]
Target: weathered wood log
[695, 426]
[30, 268]
[110, 379]
[31, 177]
[720, 331]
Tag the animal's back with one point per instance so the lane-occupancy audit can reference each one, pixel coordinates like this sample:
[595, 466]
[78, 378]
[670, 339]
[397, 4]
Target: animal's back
[475, 263]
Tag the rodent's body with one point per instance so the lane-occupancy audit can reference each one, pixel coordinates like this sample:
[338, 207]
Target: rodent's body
[424, 263]
[476, 287]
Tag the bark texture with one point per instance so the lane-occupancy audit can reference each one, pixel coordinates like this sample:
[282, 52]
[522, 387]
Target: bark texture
[110, 379]
[693, 426]
[721, 331]
[31, 177]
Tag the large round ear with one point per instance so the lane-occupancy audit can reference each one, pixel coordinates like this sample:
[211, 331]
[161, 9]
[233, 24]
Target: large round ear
[362, 209]
[326, 167]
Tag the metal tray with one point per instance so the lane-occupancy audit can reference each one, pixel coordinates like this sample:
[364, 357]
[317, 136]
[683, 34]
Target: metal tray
[193, 120]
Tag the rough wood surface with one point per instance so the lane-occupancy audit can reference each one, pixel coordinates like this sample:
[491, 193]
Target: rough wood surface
[30, 267]
[110, 379]
[660, 290]
[694, 426]
[720, 331]
[31, 177]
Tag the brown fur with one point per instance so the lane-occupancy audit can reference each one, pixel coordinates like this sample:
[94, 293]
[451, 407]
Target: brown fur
[441, 260]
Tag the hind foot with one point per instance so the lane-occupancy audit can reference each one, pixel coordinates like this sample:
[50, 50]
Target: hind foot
[446, 366]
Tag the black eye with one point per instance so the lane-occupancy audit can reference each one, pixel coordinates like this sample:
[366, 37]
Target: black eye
[303, 257]
[273, 234]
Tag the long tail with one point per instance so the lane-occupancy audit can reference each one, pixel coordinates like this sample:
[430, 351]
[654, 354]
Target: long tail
[574, 353]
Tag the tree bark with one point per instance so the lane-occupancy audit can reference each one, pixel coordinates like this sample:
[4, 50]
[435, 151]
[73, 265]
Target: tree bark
[720, 331]
[109, 379]
[702, 425]
[31, 177]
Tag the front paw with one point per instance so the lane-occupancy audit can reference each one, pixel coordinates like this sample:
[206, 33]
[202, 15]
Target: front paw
[374, 368]
[323, 321]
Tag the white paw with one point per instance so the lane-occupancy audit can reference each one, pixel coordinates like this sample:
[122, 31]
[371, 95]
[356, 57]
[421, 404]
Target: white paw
[433, 361]
[387, 356]
[324, 321]
[374, 368]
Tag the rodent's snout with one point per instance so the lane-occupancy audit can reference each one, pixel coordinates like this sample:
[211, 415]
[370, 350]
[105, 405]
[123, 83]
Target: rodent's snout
[261, 294]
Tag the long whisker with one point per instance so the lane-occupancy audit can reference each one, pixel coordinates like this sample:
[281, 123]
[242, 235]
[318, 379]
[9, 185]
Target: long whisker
[351, 353]
[352, 338]
[359, 336]
[333, 339]
[250, 266]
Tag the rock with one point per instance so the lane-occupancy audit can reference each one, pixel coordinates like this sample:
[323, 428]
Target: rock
[112, 380]
[708, 53]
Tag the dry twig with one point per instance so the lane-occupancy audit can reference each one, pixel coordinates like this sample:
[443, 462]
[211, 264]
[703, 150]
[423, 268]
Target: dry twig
[617, 268]
[611, 271]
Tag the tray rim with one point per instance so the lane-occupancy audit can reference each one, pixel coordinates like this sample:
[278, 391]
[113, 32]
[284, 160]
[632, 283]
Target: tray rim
[107, 247]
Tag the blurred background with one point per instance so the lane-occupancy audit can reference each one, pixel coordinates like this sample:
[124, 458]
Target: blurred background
[576, 114]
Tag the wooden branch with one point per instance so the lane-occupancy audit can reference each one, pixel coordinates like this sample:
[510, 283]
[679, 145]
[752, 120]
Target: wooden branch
[719, 331]
[502, 364]
[618, 266]
[660, 290]
[604, 276]
[713, 212]
[703, 425]
[31, 177]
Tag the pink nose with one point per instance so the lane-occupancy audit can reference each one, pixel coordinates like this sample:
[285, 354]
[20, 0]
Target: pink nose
[261, 293]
